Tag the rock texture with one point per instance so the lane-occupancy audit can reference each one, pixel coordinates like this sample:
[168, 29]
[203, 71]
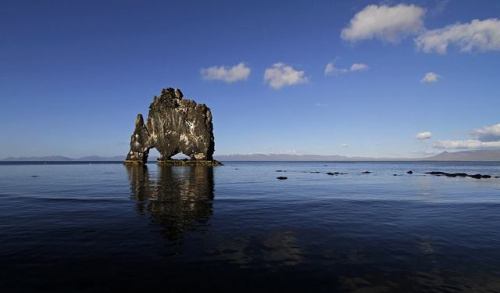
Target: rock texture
[139, 142]
[175, 125]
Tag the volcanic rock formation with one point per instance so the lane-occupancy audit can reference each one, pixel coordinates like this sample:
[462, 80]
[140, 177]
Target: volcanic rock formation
[175, 125]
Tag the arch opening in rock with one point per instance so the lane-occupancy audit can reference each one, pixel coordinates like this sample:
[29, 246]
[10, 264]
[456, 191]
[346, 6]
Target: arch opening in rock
[180, 156]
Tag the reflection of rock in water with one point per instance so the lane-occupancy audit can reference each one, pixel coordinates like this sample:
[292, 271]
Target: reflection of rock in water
[138, 177]
[179, 199]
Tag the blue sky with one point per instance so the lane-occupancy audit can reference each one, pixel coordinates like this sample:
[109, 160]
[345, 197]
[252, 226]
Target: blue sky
[73, 74]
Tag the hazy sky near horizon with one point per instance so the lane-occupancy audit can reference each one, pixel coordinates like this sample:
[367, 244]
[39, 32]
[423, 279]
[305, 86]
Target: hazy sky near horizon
[360, 78]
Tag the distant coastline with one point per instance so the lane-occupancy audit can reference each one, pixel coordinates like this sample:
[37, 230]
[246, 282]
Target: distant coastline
[470, 156]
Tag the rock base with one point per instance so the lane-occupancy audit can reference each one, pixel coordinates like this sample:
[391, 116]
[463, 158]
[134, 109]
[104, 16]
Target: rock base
[209, 163]
[133, 162]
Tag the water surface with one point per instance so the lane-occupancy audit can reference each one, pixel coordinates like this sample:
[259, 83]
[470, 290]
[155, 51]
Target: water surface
[100, 227]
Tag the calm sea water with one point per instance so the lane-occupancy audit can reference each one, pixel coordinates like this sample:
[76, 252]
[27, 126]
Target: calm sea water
[108, 227]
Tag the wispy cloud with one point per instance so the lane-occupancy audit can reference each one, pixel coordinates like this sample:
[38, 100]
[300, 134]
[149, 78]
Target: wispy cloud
[430, 77]
[424, 135]
[386, 23]
[227, 74]
[331, 69]
[484, 138]
[280, 75]
[488, 133]
[477, 35]
[466, 144]
[359, 67]
[439, 7]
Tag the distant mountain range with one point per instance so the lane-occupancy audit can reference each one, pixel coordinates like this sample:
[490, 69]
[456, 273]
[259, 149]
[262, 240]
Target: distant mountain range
[477, 155]
[63, 159]
[287, 157]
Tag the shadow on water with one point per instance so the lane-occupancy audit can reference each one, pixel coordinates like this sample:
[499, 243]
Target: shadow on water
[178, 199]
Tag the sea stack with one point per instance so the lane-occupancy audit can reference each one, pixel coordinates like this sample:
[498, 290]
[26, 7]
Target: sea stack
[174, 125]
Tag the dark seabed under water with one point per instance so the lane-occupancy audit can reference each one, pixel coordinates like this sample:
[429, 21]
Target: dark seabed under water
[108, 227]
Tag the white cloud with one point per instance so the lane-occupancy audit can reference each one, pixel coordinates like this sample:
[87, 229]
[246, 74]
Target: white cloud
[466, 144]
[280, 75]
[359, 67]
[386, 23]
[430, 77]
[331, 69]
[477, 35]
[424, 135]
[227, 74]
[488, 133]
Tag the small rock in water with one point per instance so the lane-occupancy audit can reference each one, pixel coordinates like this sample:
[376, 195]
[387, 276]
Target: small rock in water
[409, 172]
[281, 178]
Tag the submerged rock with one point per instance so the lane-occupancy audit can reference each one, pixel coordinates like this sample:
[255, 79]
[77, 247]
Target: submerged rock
[475, 176]
[174, 125]
[335, 173]
[479, 176]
